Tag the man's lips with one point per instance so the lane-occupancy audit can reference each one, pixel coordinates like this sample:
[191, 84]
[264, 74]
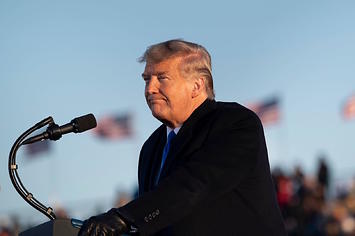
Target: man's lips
[155, 100]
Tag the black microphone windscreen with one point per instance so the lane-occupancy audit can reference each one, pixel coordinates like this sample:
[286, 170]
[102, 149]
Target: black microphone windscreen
[84, 123]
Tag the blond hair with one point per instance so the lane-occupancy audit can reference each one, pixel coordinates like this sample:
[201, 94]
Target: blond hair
[195, 59]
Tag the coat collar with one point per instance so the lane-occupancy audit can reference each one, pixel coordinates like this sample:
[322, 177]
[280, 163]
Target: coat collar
[185, 134]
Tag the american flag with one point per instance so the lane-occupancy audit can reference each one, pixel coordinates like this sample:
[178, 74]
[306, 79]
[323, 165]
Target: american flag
[114, 126]
[268, 110]
[349, 108]
[37, 148]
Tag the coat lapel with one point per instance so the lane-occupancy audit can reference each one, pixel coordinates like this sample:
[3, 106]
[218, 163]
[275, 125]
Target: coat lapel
[152, 158]
[186, 135]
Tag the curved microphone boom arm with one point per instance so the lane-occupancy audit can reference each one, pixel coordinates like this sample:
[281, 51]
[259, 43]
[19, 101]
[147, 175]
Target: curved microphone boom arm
[15, 179]
[53, 132]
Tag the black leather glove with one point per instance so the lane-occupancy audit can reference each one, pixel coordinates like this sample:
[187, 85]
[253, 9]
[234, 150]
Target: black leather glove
[109, 223]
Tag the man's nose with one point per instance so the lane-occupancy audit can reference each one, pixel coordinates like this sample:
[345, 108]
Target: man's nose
[152, 85]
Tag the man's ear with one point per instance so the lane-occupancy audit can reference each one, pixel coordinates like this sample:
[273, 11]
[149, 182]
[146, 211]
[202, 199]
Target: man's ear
[198, 87]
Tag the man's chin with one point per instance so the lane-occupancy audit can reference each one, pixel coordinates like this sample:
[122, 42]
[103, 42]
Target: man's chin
[157, 109]
[158, 115]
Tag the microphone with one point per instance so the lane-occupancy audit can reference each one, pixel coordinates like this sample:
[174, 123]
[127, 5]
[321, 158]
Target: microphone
[55, 132]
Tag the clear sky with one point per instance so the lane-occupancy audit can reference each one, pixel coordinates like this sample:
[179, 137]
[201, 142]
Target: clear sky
[69, 58]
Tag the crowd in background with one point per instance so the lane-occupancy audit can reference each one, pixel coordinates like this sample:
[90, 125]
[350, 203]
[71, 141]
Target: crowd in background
[307, 207]
[305, 202]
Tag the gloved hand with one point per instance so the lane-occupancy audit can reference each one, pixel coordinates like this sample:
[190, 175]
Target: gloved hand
[109, 223]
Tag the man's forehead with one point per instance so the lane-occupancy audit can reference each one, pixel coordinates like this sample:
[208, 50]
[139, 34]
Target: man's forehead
[165, 65]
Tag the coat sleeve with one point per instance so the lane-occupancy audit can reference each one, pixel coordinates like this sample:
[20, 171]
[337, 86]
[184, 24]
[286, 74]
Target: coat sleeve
[228, 154]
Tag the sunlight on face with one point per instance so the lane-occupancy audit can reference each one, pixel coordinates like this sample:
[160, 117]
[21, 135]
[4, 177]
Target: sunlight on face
[167, 92]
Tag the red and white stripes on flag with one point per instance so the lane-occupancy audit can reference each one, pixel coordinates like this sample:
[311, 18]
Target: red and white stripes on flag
[268, 111]
[349, 108]
[114, 127]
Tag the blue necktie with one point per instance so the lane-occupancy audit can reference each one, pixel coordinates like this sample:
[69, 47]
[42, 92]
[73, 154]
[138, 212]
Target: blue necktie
[171, 136]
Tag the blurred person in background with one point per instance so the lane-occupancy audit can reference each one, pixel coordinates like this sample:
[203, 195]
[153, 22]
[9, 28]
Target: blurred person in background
[205, 170]
[9, 226]
[323, 176]
[61, 213]
[122, 198]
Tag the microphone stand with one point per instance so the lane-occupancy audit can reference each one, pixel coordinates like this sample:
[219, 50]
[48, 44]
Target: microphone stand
[54, 227]
[15, 178]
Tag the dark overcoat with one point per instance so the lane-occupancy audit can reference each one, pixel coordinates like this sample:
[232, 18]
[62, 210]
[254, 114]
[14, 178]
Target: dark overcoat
[215, 181]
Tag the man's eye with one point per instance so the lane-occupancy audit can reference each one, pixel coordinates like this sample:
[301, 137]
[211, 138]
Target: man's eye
[162, 77]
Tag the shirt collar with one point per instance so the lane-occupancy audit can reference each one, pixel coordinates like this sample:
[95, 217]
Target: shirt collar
[168, 129]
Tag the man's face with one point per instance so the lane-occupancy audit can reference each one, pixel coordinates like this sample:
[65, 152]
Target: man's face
[168, 94]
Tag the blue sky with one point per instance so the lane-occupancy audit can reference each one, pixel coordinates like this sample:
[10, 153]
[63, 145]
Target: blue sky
[70, 58]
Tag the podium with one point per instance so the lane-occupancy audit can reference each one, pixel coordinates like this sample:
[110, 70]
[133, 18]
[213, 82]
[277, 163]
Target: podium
[58, 227]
